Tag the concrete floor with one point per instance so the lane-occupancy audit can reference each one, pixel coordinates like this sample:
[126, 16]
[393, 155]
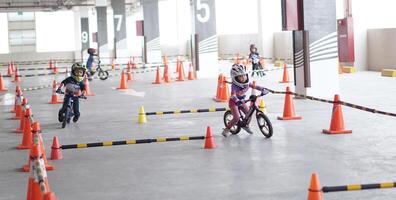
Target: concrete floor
[241, 167]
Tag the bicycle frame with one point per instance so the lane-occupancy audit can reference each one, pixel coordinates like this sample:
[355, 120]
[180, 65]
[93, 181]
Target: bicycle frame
[248, 116]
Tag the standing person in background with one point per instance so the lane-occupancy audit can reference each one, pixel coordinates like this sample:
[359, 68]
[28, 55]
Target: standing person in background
[90, 61]
[254, 57]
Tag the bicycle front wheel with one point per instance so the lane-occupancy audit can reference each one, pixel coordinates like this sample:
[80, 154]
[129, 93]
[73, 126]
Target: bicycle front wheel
[264, 124]
[227, 118]
[65, 118]
[103, 75]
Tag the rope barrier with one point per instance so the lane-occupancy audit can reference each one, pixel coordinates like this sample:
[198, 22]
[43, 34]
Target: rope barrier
[358, 187]
[127, 142]
[188, 111]
[372, 110]
[37, 87]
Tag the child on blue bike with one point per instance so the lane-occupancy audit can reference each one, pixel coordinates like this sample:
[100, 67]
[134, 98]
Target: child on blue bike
[240, 85]
[74, 85]
[254, 57]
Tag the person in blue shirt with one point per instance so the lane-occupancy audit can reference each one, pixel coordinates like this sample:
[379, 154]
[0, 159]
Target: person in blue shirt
[74, 85]
[91, 52]
[254, 57]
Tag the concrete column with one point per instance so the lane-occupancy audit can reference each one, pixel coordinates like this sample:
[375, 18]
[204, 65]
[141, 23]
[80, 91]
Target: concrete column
[151, 31]
[120, 36]
[205, 41]
[103, 43]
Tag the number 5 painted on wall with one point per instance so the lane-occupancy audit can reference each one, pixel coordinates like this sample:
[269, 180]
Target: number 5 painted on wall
[205, 7]
[119, 21]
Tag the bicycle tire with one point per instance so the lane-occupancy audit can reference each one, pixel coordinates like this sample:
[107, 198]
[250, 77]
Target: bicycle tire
[234, 129]
[66, 115]
[103, 75]
[264, 123]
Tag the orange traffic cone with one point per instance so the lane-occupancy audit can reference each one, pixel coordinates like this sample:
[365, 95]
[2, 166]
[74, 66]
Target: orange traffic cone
[288, 110]
[9, 71]
[129, 72]
[209, 139]
[262, 62]
[37, 137]
[337, 119]
[55, 69]
[177, 65]
[67, 73]
[17, 88]
[123, 82]
[191, 73]
[285, 75]
[223, 94]
[17, 78]
[56, 153]
[87, 89]
[157, 77]
[167, 78]
[22, 121]
[2, 87]
[27, 132]
[54, 96]
[49, 196]
[113, 65]
[34, 192]
[50, 64]
[18, 108]
[13, 66]
[181, 73]
[315, 192]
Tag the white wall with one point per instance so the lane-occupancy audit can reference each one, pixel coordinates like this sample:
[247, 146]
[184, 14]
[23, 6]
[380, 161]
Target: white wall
[271, 22]
[381, 49]
[3, 33]
[55, 31]
[369, 15]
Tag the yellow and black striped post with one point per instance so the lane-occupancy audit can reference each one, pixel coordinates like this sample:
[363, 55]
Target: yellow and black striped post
[126, 142]
[358, 187]
[188, 111]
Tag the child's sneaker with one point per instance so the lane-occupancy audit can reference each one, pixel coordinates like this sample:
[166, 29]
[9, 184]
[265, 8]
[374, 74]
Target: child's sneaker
[226, 132]
[247, 129]
[75, 119]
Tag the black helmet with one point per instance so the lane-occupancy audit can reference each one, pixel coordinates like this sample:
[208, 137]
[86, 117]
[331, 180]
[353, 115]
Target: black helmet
[253, 46]
[91, 51]
[78, 66]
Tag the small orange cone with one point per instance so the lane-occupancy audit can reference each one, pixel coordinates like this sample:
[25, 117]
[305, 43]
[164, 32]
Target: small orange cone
[123, 82]
[223, 94]
[177, 65]
[209, 139]
[2, 87]
[50, 64]
[22, 121]
[17, 88]
[129, 72]
[56, 153]
[9, 71]
[113, 65]
[285, 75]
[49, 196]
[157, 77]
[18, 108]
[55, 69]
[27, 132]
[191, 73]
[37, 137]
[181, 73]
[314, 191]
[54, 96]
[87, 89]
[262, 62]
[337, 119]
[167, 78]
[17, 78]
[288, 110]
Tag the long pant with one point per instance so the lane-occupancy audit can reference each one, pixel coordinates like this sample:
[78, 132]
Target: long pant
[76, 104]
[235, 113]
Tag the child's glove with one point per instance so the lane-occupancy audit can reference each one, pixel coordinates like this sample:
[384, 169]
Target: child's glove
[59, 91]
[239, 103]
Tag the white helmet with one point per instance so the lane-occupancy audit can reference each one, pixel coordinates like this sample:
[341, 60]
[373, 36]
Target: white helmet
[237, 70]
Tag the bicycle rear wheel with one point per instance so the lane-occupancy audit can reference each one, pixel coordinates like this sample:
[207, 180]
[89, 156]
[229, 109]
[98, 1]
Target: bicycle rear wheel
[227, 118]
[264, 124]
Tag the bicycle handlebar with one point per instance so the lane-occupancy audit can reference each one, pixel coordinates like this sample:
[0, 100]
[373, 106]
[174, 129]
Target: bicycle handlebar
[80, 96]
